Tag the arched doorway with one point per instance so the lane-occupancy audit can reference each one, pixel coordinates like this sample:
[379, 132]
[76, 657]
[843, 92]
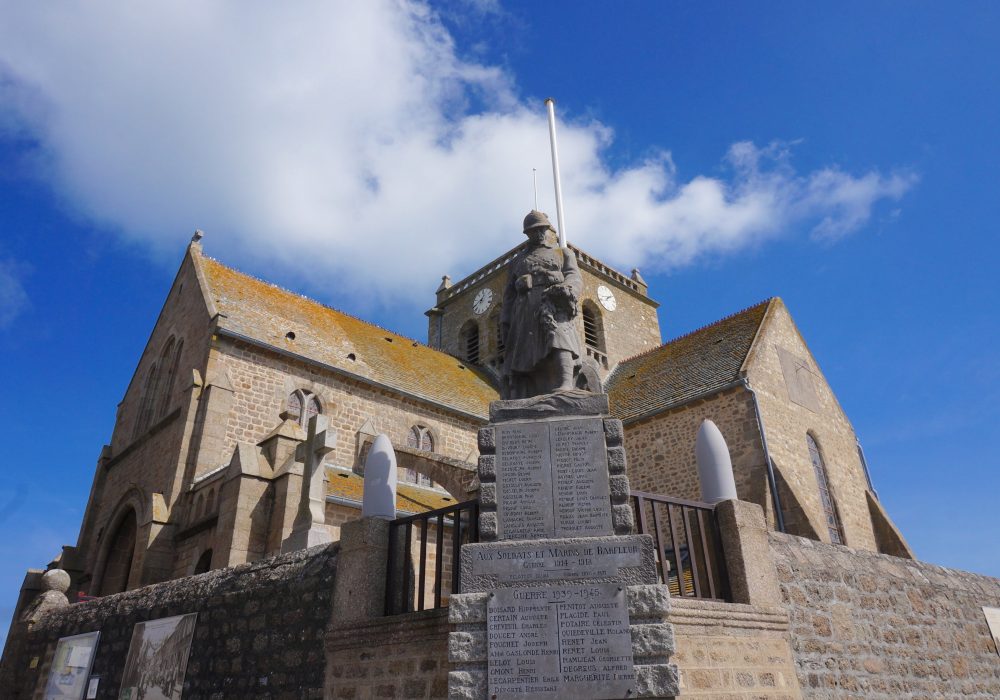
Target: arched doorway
[118, 562]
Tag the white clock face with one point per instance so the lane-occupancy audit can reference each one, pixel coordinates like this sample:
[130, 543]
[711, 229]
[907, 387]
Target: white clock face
[482, 301]
[606, 298]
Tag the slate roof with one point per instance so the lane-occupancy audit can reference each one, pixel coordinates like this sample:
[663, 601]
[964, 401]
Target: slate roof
[686, 367]
[268, 314]
[409, 499]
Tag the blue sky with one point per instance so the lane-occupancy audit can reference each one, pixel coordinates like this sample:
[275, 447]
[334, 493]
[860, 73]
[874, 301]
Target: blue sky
[844, 157]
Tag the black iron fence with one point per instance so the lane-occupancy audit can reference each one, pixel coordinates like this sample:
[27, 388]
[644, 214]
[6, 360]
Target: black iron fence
[424, 551]
[688, 548]
[423, 566]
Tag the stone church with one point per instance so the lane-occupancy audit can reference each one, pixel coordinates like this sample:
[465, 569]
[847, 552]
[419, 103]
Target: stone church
[801, 586]
[202, 470]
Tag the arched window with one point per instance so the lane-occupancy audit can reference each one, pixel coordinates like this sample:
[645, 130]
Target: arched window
[204, 563]
[118, 563]
[593, 331]
[826, 498]
[170, 361]
[470, 342]
[301, 406]
[145, 416]
[418, 438]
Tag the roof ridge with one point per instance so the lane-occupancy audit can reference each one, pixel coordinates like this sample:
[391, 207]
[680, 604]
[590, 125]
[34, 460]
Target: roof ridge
[697, 330]
[320, 303]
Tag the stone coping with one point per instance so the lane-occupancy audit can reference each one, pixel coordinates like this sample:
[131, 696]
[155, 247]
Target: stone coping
[699, 616]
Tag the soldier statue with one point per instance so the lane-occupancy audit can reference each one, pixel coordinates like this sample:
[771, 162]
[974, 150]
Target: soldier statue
[537, 321]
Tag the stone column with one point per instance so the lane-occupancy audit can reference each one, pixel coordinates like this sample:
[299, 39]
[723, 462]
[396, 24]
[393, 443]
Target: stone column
[359, 591]
[753, 578]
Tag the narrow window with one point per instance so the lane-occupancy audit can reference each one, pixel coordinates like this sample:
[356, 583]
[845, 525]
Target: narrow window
[829, 507]
[419, 438]
[204, 563]
[590, 328]
[471, 339]
[171, 362]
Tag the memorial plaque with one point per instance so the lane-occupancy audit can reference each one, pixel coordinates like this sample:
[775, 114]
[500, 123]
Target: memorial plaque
[552, 480]
[554, 561]
[524, 484]
[559, 642]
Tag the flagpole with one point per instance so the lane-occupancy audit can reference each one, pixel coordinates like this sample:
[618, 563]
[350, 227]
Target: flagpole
[550, 104]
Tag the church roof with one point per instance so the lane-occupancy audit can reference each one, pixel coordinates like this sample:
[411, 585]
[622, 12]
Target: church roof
[411, 499]
[686, 367]
[291, 323]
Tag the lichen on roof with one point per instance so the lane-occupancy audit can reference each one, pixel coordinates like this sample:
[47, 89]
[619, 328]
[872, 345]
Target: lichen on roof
[409, 498]
[293, 323]
[685, 367]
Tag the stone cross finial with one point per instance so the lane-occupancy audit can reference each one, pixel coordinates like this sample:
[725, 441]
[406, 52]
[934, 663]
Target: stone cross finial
[309, 528]
[379, 499]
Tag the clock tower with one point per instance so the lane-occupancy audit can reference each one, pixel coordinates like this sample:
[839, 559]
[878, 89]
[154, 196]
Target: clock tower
[617, 318]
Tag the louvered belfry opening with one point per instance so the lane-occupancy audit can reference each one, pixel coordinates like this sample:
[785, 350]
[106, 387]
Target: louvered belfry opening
[590, 336]
[472, 343]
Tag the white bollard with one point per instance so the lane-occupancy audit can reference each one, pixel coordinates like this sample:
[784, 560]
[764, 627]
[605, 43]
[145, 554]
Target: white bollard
[715, 467]
[379, 499]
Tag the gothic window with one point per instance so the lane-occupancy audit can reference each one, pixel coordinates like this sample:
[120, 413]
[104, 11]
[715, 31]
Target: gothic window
[145, 416]
[829, 507]
[204, 563]
[418, 438]
[170, 361]
[294, 404]
[118, 562]
[302, 406]
[470, 342]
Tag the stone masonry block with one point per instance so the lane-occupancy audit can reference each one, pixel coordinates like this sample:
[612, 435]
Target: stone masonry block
[487, 440]
[652, 600]
[618, 485]
[616, 460]
[653, 640]
[466, 647]
[488, 527]
[467, 685]
[488, 494]
[487, 468]
[466, 608]
[656, 681]
[622, 519]
[614, 433]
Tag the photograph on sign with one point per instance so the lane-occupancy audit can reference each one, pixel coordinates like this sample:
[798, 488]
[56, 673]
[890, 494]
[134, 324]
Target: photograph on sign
[71, 667]
[157, 658]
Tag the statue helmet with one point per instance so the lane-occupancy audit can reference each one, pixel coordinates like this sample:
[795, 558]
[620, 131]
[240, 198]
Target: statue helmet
[536, 219]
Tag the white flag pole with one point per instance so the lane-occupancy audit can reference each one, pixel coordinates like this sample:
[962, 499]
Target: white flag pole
[550, 103]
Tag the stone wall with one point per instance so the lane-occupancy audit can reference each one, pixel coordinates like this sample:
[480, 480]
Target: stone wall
[259, 633]
[876, 626]
[403, 656]
[262, 383]
[738, 652]
[794, 405]
[661, 449]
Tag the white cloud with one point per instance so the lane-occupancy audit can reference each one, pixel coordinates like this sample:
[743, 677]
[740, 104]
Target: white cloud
[13, 298]
[341, 138]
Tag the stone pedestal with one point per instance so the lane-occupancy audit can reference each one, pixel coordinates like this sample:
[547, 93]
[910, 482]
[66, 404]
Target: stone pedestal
[558, 599]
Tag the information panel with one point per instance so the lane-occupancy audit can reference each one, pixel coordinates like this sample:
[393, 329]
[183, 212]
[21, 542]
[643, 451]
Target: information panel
[560, 642]
[552, 480]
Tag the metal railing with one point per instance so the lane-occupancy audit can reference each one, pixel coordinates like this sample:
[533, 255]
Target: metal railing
[688, 548]
[424, 556]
